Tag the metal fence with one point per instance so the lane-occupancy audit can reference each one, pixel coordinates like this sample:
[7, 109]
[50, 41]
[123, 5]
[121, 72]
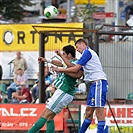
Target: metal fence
[114, 44]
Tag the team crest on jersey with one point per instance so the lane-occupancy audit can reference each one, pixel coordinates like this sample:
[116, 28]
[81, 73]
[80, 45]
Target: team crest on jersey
[92, 101]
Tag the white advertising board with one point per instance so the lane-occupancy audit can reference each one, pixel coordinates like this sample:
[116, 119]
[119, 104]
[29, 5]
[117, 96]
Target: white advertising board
[6, 60]
[123, 115]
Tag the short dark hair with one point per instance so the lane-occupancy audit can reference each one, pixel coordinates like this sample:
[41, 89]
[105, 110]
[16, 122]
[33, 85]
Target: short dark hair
[70, 49]
[80, 41]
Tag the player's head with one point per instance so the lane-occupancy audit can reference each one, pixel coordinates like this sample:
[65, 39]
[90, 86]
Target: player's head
[69, 50]
[81, 45]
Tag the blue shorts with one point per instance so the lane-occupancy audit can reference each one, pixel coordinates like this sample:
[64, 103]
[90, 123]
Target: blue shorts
[97, 94]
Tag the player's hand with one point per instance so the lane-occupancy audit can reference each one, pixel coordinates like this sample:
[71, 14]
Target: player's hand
[58, 52]
[41, 59]
[55, 69]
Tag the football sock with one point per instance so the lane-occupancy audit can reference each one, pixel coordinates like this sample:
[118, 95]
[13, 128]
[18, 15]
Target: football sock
[100, 127]
[38, 125]
[50, 126]
[85, 125]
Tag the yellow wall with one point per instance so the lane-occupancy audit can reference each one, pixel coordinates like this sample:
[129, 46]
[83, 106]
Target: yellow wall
[25, 38]
[81, 1]
[98, 2]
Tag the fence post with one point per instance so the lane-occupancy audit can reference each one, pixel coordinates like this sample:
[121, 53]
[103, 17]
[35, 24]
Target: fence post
[79, 117]
[96, 40]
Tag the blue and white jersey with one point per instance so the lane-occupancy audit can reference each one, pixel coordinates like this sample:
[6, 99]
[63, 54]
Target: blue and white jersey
[91, 65]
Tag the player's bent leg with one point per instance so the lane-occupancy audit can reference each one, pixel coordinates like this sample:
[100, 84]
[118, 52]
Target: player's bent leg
[101, 119]
[88, 119]
[58, 101]
[100, 101]
[55, 105]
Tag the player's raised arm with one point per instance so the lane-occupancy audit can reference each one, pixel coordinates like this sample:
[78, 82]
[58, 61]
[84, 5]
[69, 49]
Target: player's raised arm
[66, 61]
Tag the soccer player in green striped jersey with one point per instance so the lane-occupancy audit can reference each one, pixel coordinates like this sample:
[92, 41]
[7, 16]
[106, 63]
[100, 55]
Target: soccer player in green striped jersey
[64, 94]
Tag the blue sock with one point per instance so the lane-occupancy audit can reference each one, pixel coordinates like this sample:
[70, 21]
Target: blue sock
[85, 125]
[100, 127]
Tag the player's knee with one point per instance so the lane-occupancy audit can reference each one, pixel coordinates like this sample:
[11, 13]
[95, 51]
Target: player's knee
[89, 115]
[51, 117]
[89, 112]
[48, 114]
[100, 113]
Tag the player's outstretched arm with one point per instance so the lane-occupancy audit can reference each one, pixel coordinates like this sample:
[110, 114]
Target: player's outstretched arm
[75, 72]
[77, 75]
[57, 63]
[54, 62]
[73, 69]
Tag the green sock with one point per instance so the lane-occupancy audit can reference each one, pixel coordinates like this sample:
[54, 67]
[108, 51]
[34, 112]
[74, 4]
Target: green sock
[38, 125]
[50, 126]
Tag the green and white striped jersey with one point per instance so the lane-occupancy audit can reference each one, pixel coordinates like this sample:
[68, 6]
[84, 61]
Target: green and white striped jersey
[65, 82]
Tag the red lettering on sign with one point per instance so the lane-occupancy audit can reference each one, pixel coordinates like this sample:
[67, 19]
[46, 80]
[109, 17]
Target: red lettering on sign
[130, 112]
[121, 112]
[109, 114]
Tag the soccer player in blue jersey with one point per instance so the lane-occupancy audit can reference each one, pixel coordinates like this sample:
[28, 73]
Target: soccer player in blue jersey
[96, 78]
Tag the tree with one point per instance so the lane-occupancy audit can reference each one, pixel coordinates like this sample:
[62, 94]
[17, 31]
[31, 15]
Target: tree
[13, 9]
[84, 13]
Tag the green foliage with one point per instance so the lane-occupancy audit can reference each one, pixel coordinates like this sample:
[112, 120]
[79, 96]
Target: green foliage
[85, 12]
[13, 9]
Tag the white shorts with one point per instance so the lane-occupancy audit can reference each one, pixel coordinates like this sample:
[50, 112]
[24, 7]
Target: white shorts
[58, 101]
